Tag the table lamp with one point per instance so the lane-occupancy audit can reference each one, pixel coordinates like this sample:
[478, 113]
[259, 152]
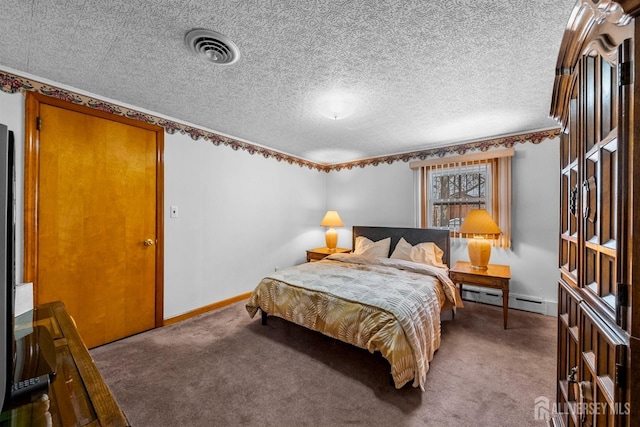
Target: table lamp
[481, 226]
[331, 219]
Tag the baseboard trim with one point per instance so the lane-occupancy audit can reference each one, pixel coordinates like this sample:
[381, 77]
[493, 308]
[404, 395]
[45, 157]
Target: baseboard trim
[206, 309]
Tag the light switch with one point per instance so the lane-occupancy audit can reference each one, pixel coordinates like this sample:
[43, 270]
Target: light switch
[174, 212]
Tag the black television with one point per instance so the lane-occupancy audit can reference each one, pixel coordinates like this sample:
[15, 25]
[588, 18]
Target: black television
[28, 359]
[7, 267]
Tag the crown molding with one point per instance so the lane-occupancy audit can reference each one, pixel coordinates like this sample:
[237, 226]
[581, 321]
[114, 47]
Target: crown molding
[13, 83]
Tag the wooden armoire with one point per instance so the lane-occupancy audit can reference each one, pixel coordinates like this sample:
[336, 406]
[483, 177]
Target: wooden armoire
[595, 100]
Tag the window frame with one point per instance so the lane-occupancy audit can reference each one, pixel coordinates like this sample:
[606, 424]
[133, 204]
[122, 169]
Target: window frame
[499, 199]
[458, 171]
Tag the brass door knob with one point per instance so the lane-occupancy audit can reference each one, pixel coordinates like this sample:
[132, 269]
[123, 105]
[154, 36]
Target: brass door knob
[148, 242]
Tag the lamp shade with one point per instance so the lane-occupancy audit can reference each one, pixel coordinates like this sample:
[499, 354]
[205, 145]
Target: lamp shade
[331, 219]
[479, 225]
[478, 221]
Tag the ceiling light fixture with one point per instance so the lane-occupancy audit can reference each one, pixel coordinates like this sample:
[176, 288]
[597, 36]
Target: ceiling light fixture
[336, 106]
[212, 46]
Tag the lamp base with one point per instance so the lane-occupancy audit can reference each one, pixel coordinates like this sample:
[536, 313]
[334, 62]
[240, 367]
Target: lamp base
[479, 252]
[331, 238]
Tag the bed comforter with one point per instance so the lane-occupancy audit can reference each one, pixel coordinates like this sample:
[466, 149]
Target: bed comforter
[379, 304]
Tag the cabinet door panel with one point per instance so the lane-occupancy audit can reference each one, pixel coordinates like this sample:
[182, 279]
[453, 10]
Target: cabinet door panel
[600, 388]
[598, 173]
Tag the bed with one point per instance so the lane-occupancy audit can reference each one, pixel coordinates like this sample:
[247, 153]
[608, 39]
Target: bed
[386, 296]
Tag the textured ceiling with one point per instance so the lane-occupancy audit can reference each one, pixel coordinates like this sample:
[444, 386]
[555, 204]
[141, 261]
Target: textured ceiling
[414, 74]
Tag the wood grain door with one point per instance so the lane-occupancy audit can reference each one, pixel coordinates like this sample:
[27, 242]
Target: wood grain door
[96, 220]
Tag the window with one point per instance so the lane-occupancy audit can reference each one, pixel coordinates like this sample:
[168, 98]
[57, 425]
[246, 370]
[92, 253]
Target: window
[454, 190]
[452, 186]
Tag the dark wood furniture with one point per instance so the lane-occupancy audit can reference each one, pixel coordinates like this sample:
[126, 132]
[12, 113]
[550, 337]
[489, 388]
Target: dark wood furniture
[594, 100]
[319, 253]
[78, 396]
[494, 277]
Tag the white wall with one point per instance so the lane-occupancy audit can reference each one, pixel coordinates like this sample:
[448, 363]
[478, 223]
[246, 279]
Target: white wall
[12, 115]
[534, 222]
[240, 217]
[376, 196]
[384, 195]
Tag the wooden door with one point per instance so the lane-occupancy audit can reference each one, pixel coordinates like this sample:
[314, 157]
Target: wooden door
[95, 229]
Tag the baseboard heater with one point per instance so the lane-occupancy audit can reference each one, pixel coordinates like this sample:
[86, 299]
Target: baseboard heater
[489, 294]
[528, 300]
[519, 302]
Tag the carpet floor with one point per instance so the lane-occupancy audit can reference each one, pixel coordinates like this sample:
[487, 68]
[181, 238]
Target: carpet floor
[224, 369]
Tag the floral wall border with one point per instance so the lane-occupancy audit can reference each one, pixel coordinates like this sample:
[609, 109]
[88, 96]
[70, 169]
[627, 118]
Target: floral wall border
[459, 149]
[12, 83]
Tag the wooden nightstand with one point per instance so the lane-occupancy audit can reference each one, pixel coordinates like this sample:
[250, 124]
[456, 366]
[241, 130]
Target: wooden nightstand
[494, 277]
[318, 253]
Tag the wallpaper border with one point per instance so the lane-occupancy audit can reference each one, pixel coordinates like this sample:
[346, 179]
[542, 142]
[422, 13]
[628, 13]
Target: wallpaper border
[12, 83]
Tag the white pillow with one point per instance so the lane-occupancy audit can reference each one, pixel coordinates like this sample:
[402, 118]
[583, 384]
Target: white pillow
[366, 247]
[425, 253]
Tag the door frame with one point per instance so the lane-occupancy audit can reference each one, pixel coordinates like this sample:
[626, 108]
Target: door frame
[31, 190]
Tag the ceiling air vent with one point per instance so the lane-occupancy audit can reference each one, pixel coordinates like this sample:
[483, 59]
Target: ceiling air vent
[212, 46]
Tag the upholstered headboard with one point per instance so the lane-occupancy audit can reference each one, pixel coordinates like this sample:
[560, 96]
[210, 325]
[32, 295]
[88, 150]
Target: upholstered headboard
[411, 235]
